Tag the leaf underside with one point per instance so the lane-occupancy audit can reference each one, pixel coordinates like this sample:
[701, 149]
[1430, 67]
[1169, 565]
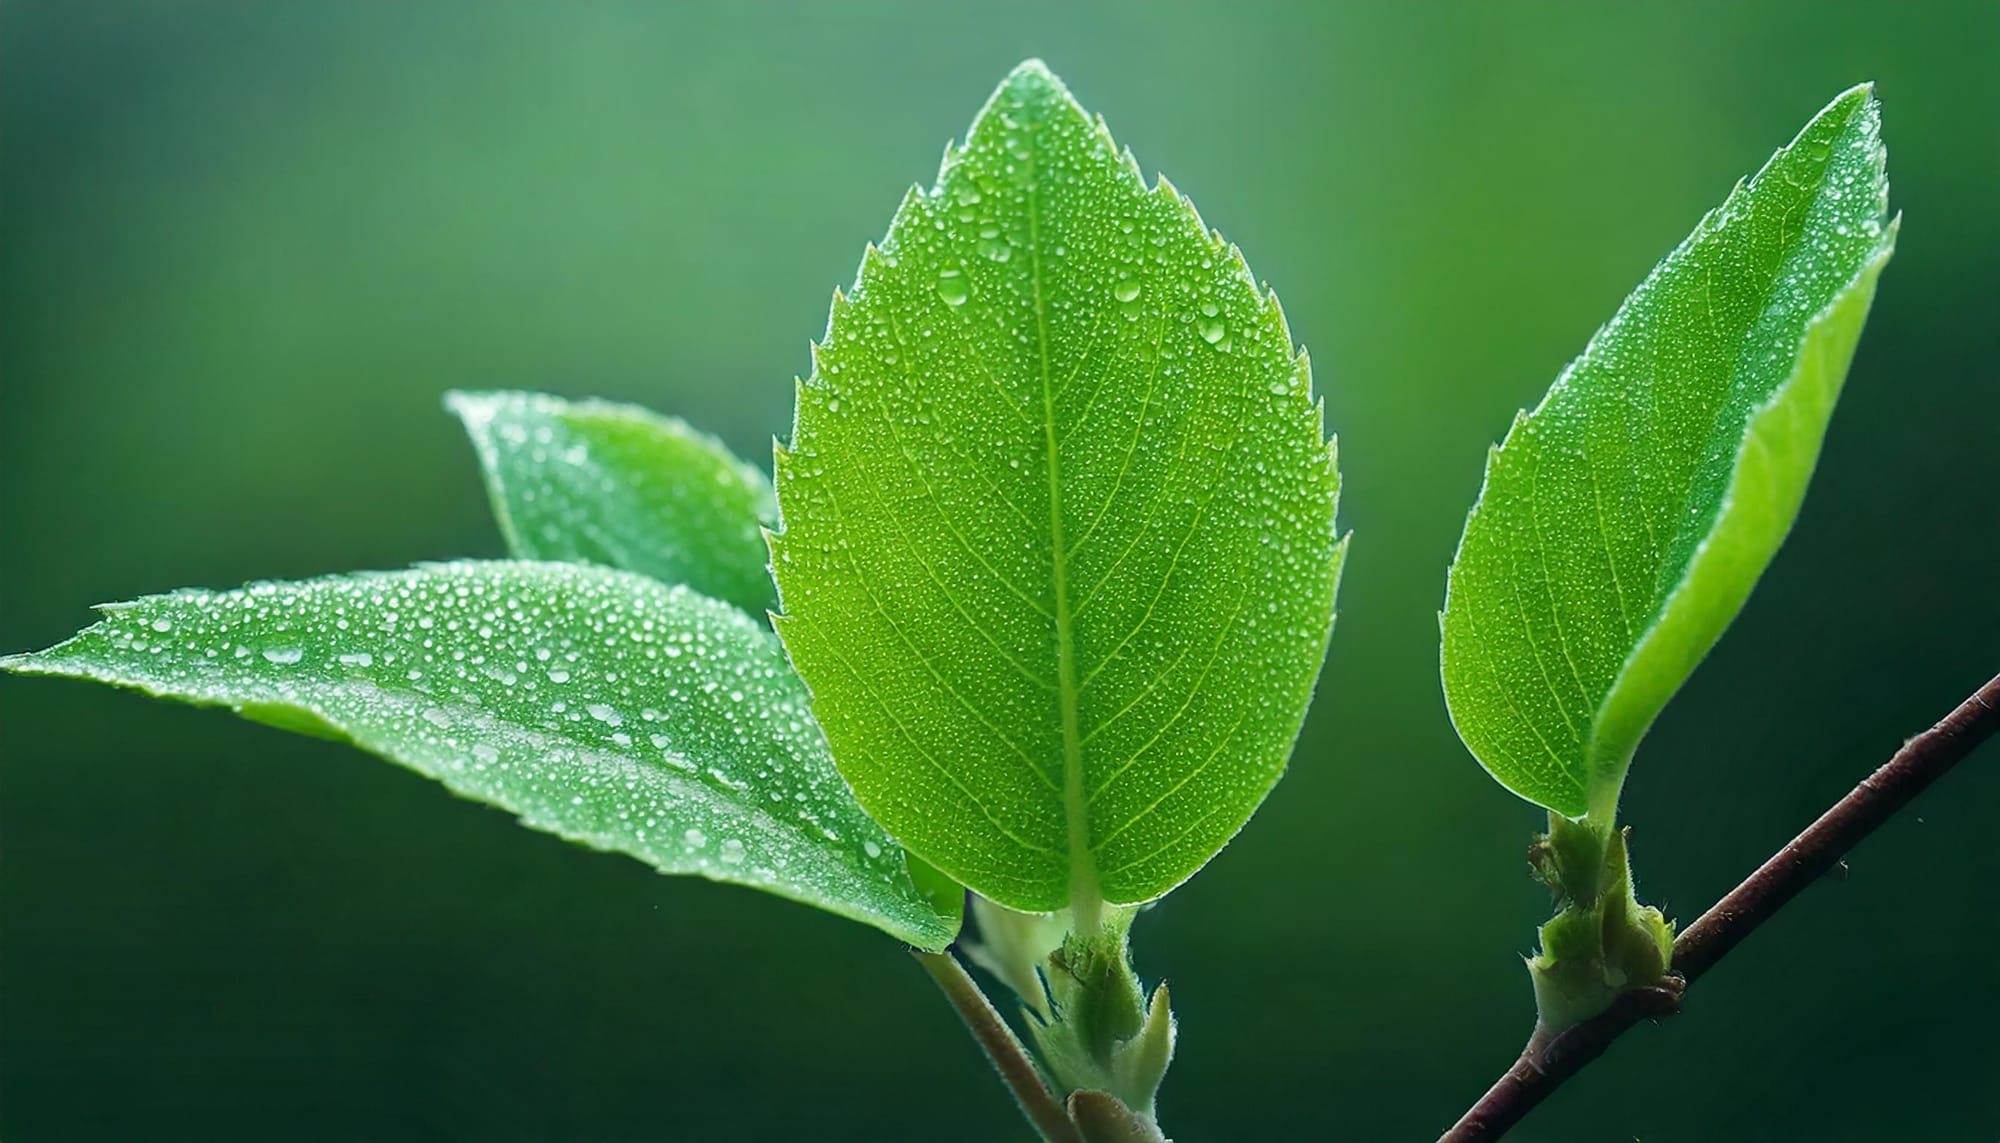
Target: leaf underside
[1058, 555]
[1625, 520]
[623, 487]
[598, 705]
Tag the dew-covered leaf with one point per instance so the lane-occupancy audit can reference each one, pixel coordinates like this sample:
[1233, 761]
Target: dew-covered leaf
[618, 485]
[598, 705]
[1058, 554]
[1625, 520]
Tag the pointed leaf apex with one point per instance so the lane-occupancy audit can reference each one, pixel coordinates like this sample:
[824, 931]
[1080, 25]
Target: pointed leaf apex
[1032, 71]
[468, 405]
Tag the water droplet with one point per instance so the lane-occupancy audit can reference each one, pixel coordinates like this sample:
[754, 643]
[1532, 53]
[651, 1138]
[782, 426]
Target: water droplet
[952, 288]
[733, 852]
[1127, 290]
[695, 839]
[1213, 332]
[284, 655]
[871, 849]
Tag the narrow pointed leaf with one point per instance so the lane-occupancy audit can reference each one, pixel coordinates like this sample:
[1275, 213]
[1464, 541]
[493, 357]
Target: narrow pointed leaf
[601, 706]
[1059, 556]
[622, 487]
[1625, 520]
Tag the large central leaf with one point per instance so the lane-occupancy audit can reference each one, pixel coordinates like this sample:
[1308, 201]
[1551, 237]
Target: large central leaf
[1059, 556]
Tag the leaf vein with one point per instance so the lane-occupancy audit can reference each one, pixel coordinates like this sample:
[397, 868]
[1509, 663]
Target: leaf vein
[868, 687]
[1131, 448]
[1190, 776]
[890, 619]
[1215, 653]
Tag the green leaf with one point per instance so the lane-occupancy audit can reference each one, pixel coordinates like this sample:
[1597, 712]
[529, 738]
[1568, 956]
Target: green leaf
[598, 705]
[617, 485]
[1625, 520]
[1059, 556]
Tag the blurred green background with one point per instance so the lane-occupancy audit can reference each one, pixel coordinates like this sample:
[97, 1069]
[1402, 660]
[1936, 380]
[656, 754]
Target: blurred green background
[244, 248]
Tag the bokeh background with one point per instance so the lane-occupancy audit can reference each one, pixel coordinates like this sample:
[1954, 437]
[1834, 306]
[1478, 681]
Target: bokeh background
[244, 247]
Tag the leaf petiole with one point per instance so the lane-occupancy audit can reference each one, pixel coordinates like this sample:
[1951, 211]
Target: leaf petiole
[1017, 1069]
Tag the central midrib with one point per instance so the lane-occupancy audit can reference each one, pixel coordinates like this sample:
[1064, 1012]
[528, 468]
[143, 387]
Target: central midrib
[1084, 894]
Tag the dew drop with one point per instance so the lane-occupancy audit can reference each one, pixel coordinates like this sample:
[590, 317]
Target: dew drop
[284, 655]
[952, 288]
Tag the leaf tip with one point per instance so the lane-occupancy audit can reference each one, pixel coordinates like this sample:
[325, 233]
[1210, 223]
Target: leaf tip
[1030, 84]
[1032, 72]
[1857, 108]
[476, 409]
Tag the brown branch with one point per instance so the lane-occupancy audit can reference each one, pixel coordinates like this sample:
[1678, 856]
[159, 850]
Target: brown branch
[1549, 1060]
[1017, 1069]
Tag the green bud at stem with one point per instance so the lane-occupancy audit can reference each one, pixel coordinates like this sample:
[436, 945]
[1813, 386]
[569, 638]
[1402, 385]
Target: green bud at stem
[1602, 942]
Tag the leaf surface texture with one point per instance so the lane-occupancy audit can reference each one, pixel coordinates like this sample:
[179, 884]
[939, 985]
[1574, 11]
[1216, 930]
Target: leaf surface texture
[597, 705]
[623, 487]
[1058, 555]
[1624, 521]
